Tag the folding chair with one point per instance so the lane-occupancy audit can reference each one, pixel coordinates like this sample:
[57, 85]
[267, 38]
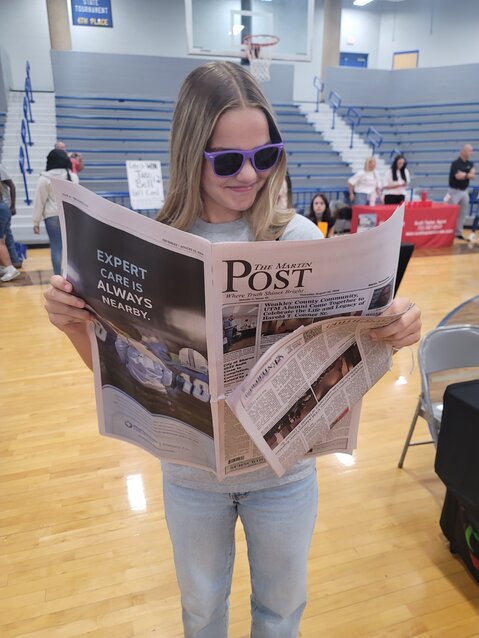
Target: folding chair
[444, 348]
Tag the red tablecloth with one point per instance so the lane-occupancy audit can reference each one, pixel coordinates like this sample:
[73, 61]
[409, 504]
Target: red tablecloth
[426, 226]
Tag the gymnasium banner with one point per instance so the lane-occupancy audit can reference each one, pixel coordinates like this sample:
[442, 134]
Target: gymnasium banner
[227, 356]
[91, 13]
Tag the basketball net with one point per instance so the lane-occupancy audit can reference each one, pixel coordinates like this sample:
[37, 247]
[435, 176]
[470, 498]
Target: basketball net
[259, 49]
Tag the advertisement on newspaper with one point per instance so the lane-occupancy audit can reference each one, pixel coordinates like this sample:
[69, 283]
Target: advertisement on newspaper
[149, 341]
[182, 324]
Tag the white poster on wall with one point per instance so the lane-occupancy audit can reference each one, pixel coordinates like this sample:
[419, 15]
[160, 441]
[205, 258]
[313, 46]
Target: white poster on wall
[145, 184]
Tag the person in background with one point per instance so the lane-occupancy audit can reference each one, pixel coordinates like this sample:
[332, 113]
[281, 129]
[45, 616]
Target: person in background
[7, 269]
[319, 211]
[45, 205]
[76, 158]
[342, 214]
[396, 181]
[475, 225]
[365, 186]
[461, 172]
[227, 165]
[8, 194]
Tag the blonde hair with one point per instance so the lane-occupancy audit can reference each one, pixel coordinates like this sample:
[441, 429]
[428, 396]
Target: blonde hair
[368, 161]
[208, 92]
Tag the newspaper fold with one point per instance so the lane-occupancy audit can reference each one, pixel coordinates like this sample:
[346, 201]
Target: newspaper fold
[182, 325]
[304, 387]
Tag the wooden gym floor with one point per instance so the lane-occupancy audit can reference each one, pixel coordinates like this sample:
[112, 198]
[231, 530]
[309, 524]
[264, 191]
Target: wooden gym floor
[84, 546]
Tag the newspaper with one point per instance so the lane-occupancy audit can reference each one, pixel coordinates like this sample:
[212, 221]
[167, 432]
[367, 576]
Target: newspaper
[183, 323]
[304, 388]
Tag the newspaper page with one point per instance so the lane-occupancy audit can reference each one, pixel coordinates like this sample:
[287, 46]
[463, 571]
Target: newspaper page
[180, 322]
[275, 288]
[145, 282]
[342, 437]
[306, 385]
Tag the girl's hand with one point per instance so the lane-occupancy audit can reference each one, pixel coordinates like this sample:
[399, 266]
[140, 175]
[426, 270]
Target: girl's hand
[404, 331]
[65, 310]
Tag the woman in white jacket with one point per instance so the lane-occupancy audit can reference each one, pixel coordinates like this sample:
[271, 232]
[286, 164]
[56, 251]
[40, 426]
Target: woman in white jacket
[45, 205]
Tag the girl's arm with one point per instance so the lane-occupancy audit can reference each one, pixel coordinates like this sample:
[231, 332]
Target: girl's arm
[67, 313]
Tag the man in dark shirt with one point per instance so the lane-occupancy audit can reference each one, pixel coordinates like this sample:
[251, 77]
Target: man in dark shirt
[462, 170]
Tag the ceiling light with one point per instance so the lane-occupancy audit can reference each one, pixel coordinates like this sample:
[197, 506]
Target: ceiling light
[361, 3]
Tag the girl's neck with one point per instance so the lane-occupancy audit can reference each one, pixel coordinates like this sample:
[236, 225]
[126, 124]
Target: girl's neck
[220, 217]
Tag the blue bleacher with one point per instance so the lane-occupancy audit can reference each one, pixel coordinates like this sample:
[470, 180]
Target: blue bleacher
[108, 131]
[430, 137]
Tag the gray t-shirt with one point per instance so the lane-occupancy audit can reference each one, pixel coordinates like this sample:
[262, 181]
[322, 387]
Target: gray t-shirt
[299, 228]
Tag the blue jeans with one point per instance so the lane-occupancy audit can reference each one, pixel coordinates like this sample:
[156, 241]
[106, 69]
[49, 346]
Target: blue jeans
[5, 219]
[52, 225]
[12, 250]
[6, 232]
[278, 523]
[361, 199]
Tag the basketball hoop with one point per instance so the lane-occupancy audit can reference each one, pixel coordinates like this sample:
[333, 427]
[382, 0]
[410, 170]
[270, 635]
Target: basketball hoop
[259, 49]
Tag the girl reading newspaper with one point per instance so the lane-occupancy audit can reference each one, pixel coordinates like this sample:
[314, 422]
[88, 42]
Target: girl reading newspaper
[227, 166]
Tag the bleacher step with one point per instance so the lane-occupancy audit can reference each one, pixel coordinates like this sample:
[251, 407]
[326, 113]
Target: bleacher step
[340, 136]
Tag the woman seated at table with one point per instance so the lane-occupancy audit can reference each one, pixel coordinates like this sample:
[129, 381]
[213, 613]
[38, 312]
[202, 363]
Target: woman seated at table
[319, 212]
[396, 181]
[365, 186]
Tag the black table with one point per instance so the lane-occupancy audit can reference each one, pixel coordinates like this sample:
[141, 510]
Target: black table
[457, 464]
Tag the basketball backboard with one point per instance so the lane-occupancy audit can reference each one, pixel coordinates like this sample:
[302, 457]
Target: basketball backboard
[218, 27]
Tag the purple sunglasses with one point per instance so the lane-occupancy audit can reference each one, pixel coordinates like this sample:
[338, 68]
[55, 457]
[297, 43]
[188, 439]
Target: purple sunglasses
[230, 163]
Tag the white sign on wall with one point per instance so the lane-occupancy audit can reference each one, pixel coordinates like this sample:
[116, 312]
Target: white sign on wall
[145, 184]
